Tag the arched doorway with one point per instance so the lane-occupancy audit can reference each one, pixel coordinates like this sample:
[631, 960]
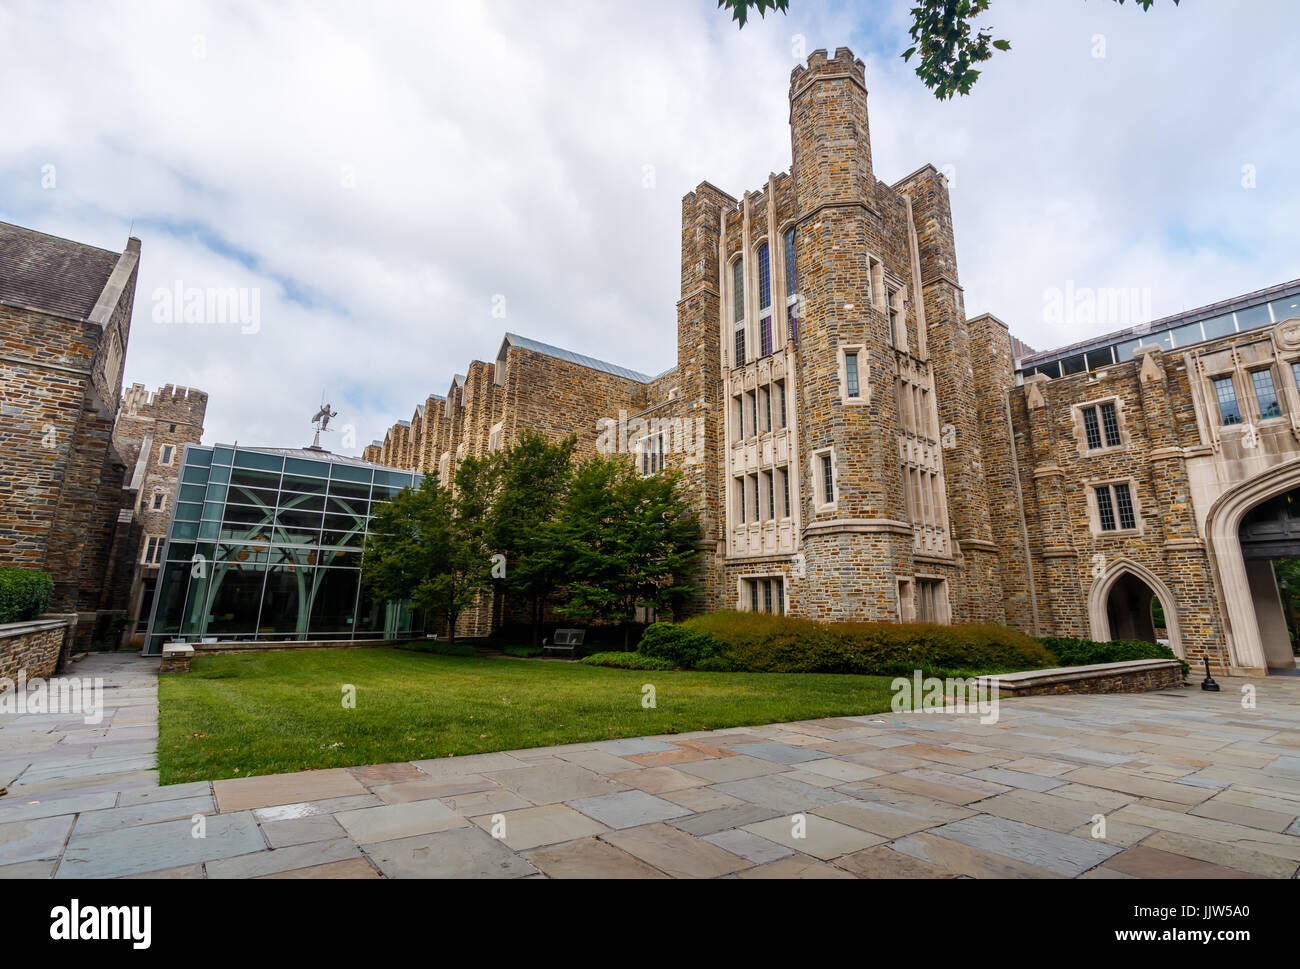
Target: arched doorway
[1122, 605]
[1244, 528]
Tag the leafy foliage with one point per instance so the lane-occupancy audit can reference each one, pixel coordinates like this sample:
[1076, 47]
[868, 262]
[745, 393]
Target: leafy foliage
[627, 661]
[1084, 652]
[942, 32]
[740, 8]
[24, 594]
[602, 539]
[684, 648]
[428, 544]
[533, 484]
[628, 541]
[762, 643]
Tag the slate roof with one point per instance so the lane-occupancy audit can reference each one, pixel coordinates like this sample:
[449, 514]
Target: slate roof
[51, 274]
[523, 342]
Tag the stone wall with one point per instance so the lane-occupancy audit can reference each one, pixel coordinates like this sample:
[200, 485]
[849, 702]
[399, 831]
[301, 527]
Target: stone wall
[59, 475]
[33, 647]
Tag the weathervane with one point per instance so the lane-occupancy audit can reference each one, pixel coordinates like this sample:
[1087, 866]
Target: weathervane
[322, 423]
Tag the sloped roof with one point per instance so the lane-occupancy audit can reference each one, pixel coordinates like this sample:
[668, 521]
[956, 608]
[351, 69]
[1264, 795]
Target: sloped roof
[51, 274]
[523, 342]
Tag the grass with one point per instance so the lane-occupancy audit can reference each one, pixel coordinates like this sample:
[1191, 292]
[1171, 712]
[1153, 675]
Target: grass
[277, 712]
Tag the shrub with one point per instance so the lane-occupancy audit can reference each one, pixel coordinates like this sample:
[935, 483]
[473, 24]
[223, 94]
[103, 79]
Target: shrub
[24, 594]
[439, 646]
[1070, 651]
[678, 645]
[763, 643]
[627, 661]
[524, 652]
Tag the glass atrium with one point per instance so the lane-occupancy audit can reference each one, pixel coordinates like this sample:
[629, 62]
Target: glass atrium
[265, 544]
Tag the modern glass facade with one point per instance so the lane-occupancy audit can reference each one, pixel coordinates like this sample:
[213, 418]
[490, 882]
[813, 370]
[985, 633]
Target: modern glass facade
[266, 544]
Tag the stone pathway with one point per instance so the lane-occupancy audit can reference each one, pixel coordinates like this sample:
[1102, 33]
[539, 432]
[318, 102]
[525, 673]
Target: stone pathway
[1189, 784]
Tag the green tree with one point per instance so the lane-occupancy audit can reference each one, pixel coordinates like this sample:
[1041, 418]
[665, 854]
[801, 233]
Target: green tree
[941, 33]
[431, 544]
[627, 541]
[533, 481]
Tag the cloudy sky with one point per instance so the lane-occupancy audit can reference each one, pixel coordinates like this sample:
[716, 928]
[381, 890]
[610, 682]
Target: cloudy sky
[390, 178]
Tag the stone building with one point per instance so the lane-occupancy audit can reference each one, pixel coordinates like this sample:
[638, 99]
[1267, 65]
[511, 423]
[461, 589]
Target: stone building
[858, 449]
[65, 316]
[150, 435]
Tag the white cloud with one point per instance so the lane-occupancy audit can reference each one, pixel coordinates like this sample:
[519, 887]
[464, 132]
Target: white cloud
[502, 149]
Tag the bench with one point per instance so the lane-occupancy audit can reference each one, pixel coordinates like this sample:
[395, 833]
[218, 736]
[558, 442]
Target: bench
[566, 641]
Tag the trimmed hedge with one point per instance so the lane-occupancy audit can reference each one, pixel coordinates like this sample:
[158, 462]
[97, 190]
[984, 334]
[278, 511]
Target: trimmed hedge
[522, 652]
[762, 643]
[627, 661]
[24, 594]
[439, 646]
[1084, 652]
[679, 645]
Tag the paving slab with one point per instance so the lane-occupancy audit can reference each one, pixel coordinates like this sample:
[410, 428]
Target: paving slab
[321, 827]
[749, 846]
[883, 861]
[492, 801]
[636, 745]
[550, 785]
[26, 809]
[307, 809]
[780, 753]
[627, 809]
[35, 839]
[289, 858]
[1060, 853]
[536, 826]
[247, 793]
[659, 780]
[429, 788]
[963, 859]
[147, 813]
[731, 768]
[722, 819]
[394, 821]
[813, 835]
[1143, 862]
[589, 858]
[445, 767]
[781, 793]
[154, 847]
[795, 866]
[352, 868]
[676, 853]
[465, 852]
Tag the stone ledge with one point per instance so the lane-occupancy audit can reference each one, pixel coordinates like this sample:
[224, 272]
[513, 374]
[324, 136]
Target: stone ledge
[1132, 676]
[31, 626]
[272, 645]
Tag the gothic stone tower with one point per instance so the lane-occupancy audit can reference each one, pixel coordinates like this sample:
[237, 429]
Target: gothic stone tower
[822, 328]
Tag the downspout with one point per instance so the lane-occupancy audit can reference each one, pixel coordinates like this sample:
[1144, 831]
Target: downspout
[1020, 504]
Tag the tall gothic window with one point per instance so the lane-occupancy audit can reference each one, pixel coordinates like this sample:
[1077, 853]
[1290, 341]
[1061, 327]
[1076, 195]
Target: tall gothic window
[764, 300]
[738, 308]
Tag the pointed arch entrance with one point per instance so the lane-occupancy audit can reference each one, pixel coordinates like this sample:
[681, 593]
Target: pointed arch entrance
[1119, 606]
[1240, 596]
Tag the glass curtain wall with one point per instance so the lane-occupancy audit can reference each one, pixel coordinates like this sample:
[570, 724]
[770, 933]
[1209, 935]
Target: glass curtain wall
[266, 544]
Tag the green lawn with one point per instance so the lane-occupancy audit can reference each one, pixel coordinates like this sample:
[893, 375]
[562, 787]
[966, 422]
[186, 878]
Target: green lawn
[270, 713]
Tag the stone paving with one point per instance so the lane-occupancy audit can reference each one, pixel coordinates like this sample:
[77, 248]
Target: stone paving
[1188, 784]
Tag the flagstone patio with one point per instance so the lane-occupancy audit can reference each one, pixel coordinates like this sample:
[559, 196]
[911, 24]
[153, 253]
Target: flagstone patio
[1188, 784]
